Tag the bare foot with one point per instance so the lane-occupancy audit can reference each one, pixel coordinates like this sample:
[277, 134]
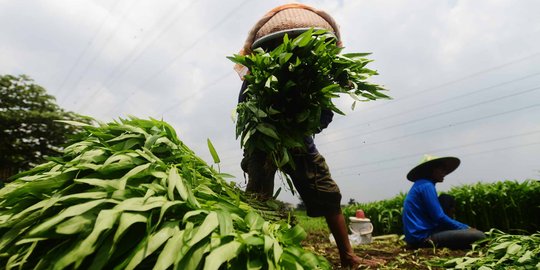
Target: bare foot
[350, 261]
[358, 263]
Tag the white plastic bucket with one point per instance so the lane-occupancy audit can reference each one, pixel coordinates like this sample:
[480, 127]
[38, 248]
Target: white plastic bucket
[361, 228]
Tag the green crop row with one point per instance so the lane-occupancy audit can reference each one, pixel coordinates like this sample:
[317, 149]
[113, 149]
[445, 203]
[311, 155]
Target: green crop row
[509, 206]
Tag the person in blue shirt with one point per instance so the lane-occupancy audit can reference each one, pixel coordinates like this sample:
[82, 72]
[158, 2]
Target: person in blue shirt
[424, 222]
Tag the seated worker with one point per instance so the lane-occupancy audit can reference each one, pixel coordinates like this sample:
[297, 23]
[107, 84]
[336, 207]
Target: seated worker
[424, 222]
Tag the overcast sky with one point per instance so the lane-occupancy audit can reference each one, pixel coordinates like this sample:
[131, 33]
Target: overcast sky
[464, 77]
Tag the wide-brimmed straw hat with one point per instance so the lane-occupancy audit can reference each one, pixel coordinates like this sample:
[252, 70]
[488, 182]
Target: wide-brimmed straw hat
[429, 162]
[290, 19]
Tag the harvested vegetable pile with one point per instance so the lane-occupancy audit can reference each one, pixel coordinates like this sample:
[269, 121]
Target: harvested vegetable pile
[289, 87]
[498, 251]
[130, 194]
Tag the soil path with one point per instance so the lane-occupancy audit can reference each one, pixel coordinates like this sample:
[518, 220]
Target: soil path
[389, 253]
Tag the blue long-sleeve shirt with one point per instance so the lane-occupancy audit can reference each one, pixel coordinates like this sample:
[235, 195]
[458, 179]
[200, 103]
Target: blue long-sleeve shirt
[423, 214]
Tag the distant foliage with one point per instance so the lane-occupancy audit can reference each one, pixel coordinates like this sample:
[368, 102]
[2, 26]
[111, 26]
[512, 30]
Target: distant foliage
[28, 130]
[509, 206]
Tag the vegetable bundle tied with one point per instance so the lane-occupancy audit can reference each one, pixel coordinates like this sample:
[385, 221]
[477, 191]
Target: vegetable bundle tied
[290, 86]
[130, 194]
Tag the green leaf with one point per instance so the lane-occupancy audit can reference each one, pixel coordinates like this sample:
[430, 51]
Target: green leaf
[71, 211]
[209, 224]
[171, 252]
[133, 173]
[193, 259]
[222, 254]
[75, 224]
[294, 235]
[177, 182]
[303, 39]
[104, 222]
[268, 130]
[254, 221]
[155, 241]
[213, 152]
[141, 204]
[127, 220]
[225, 222]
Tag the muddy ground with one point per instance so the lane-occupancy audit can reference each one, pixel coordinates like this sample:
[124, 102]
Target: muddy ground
[390, 253]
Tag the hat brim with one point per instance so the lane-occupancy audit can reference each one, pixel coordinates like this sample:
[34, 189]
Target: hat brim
[423, 170]
[278, 36]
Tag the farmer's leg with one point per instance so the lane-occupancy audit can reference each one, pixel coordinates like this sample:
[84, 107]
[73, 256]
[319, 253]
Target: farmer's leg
[261, 173]
[322, 197]
[457, 239]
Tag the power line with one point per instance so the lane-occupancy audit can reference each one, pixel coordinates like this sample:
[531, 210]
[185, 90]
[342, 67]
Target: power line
[430, 130]
[194, 43]
[112, 78]
[203, 89]
[100, 51]
[89, 44]
[439, 150]
[191, 46]
[512, 62]
[462, 155]
[424, 106]
[439, 114]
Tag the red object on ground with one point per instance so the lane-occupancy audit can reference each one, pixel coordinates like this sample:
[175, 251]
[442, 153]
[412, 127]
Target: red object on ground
[360, 214]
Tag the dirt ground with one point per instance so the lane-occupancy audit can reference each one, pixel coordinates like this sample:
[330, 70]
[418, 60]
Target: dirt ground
[387, 253]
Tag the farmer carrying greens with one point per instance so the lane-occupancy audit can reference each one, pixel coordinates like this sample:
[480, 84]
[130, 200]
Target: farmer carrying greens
[424, 222]
[309, 174]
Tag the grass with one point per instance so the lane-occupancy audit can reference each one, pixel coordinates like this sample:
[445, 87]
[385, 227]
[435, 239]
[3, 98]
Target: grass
[310, 224]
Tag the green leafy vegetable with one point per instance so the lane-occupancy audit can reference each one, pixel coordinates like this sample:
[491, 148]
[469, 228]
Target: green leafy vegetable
[131, 195]
[290, 86]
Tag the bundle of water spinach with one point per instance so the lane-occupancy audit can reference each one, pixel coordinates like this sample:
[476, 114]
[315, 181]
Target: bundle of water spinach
[129, 194]
[289, 87]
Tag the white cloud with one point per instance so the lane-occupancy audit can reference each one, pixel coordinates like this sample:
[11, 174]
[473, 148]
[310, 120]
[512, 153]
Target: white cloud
[141, 58]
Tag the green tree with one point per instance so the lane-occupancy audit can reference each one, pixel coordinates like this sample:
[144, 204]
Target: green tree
[28, 128]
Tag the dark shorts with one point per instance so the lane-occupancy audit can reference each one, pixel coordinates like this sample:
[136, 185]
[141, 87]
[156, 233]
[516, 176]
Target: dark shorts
[453, 239]
[311, 178]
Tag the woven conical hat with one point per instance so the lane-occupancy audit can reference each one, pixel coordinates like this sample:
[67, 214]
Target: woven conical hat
[289, 19]
[429, 162]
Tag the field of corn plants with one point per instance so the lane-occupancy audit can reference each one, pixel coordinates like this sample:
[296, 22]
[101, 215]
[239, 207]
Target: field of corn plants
[509, 206]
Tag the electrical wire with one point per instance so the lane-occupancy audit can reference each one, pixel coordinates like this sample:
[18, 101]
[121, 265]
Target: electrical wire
[438, 114]
[113, 77]
[88, 45]
[100, 51]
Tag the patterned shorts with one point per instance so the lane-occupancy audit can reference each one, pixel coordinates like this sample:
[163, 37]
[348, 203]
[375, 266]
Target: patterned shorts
[310, 176]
